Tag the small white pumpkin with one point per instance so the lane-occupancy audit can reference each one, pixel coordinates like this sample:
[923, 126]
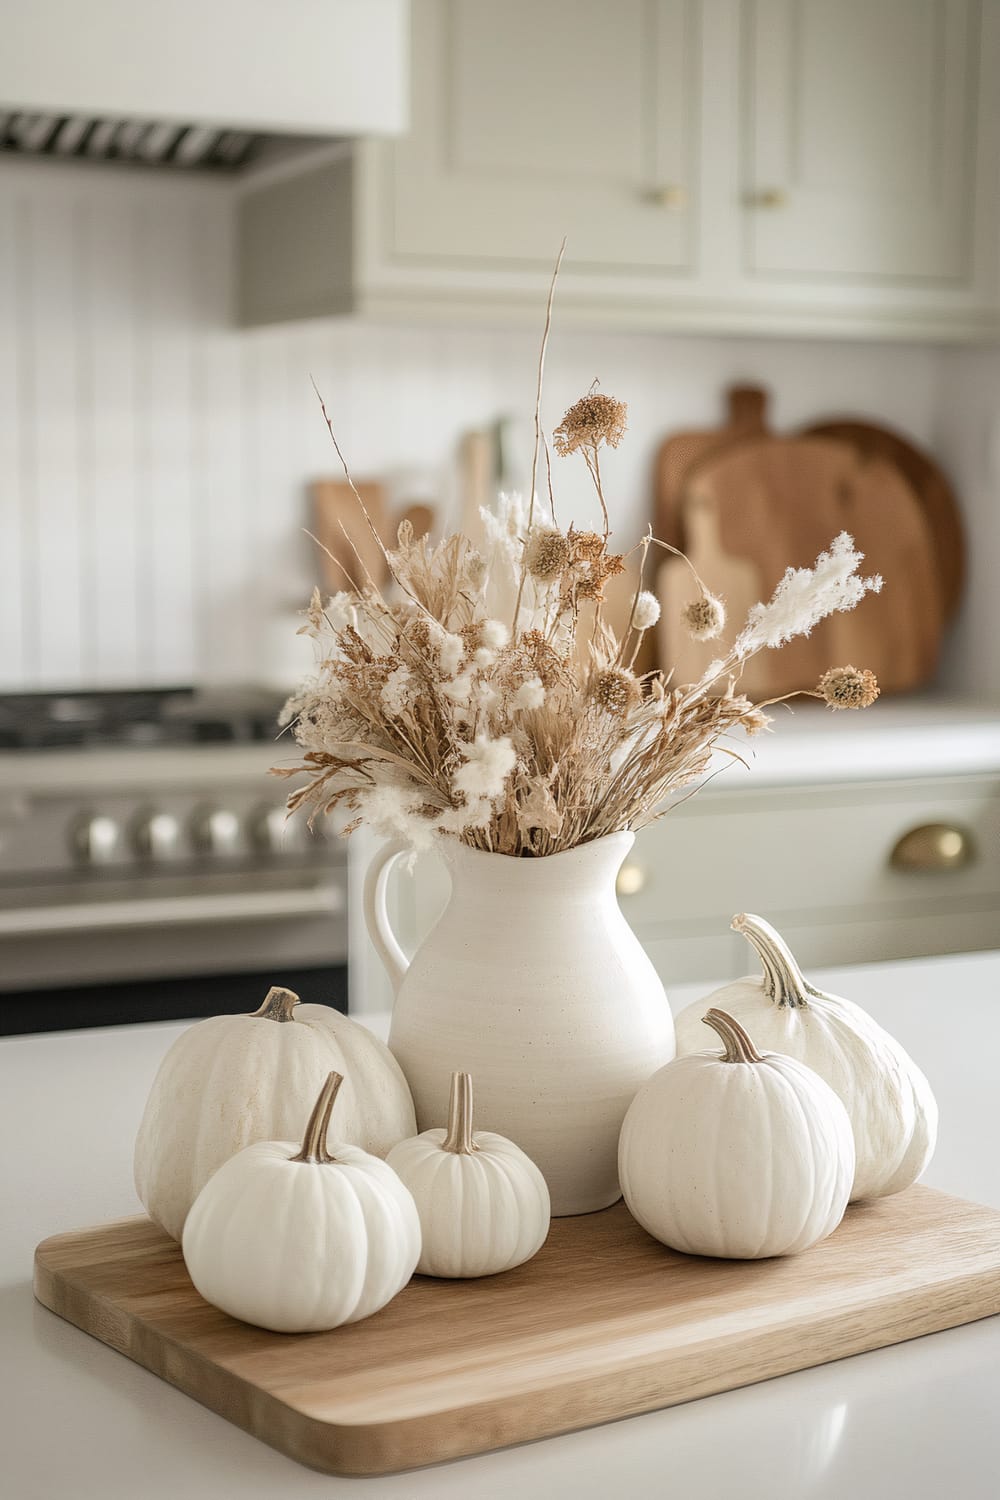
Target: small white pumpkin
[743, 1155]
[483, 1205]
[302, 1239]
[232, 1080]
[890, 1103]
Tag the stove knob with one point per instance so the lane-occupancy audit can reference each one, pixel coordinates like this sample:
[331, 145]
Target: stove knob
[96, 839]
[216, 830]
[157, 836]
[274, 832]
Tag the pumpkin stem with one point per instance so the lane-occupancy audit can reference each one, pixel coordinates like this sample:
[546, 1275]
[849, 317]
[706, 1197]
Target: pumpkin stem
[278, 1004]
[784, 982]
[314, 1140]
[739, 1047]
[459, 1136]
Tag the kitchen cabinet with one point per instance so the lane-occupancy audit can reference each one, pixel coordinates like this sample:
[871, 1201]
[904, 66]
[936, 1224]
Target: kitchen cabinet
[804, 836]
[861, 138]
[815, 860]
[534, 121]
[775, 166]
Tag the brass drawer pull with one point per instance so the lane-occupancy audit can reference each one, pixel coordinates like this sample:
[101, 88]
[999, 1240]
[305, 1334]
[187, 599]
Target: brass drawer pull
[631, 879]
[932, 848]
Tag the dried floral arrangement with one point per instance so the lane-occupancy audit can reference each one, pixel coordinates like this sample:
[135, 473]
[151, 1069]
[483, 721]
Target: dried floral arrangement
[487, 697]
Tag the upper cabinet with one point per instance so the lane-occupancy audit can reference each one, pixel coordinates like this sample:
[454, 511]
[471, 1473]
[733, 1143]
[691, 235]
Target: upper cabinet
[537, 120]
[860, 144]
[792, 166]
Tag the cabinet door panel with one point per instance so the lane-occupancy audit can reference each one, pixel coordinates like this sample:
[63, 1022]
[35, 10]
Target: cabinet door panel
[531, 122]
[860, 137]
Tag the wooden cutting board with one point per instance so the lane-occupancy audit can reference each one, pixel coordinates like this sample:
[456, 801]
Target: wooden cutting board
[351, 554]
[779, 502]
[936, 496]
[746, 417]
[603, 1323]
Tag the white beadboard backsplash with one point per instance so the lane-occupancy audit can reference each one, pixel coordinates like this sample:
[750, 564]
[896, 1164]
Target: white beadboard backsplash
[153, 459]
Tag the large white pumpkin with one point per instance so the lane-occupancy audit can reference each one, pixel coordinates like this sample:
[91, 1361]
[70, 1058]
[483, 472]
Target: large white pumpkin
[483, 1205]
[889, 1101]
[301, 1239]
[233, 1080]
[741, 1155]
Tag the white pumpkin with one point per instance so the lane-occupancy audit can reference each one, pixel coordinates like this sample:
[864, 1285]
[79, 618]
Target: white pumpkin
[889, 1101]
[232, 1080]
[483, 1205]
[743, 1155]
[301, 1239]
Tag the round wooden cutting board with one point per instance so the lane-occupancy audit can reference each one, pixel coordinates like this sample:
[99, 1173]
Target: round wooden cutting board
[935, 494]
[778, 502]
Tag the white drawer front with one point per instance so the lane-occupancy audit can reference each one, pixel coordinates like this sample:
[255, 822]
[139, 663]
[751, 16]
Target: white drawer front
[811, 848]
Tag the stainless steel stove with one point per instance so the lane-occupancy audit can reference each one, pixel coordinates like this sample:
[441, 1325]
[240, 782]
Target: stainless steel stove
[147, 868]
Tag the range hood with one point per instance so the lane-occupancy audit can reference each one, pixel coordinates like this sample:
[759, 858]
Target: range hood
[199, 84]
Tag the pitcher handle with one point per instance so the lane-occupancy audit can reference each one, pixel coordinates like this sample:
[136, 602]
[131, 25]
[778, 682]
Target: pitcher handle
[384, 941]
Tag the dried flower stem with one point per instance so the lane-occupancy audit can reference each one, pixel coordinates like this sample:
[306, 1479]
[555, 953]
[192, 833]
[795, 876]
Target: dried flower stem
[538, 419]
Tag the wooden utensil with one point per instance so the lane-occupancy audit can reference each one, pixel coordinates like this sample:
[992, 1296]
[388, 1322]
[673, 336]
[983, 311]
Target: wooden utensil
[340, 526]
[935, 494]
[779, 502]
[746, 417]
[603, 1323]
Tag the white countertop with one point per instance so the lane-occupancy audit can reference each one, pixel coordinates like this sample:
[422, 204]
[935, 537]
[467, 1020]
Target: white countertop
[915, 735]
[808, 743]
[915, 1422]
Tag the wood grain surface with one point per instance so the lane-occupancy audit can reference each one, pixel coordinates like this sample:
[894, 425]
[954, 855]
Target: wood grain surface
[603, 1323]
[745, 417]
[779, 502]
[931, 486]
[351, 555]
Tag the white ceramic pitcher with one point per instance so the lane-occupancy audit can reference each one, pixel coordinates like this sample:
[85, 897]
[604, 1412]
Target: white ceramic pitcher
[533, 982]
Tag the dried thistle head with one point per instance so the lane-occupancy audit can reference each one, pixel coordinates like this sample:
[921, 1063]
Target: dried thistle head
[704, 617]
[848, 687]
[547, 554]
[615, 691]
[591, 421]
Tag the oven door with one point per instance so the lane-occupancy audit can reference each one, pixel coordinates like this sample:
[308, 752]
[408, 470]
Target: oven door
[102, 950]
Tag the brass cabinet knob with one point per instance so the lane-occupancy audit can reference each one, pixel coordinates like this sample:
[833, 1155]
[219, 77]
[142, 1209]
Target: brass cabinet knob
[933, 847]
[631, 879]
[669, 195]
[771, 197]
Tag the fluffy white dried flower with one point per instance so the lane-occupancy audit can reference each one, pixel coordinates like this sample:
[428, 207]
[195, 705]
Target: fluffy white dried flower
[807, 595]
[531, 694]
[646, 611]
[493, 634]
[704, 617]
[341, 611]
[391, 811]
[296, 702]
[504, 527]
[450, 651]
[459, 820]
[398, 691]
[488, 763]
[459, 690]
